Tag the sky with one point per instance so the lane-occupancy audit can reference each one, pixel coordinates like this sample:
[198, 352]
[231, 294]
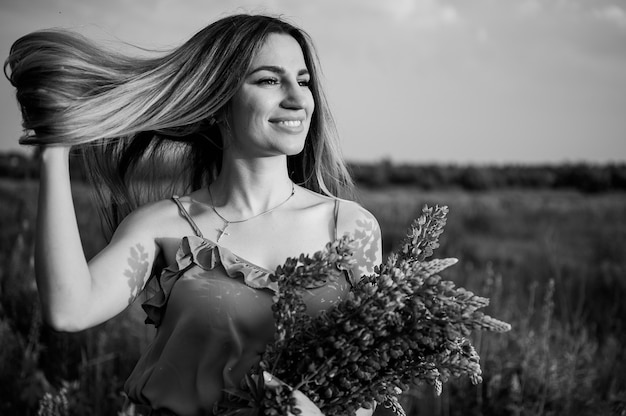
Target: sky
[426, 81]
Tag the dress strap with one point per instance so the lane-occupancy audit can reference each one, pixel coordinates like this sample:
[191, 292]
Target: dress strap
[185, 215]
[336, 216]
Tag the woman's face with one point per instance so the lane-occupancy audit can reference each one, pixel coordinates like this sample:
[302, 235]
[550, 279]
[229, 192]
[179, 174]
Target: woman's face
[271, 113]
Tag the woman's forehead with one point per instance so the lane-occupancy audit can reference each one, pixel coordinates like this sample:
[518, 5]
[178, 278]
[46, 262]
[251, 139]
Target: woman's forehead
[280, 50]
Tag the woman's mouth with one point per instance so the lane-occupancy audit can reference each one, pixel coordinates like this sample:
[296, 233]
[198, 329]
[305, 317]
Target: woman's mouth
[290, 123]
[289, 126]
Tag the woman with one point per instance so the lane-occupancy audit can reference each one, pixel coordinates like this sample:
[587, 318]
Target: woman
[237, 120]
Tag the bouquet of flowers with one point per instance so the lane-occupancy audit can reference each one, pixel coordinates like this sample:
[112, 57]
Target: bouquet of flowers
[402, 326]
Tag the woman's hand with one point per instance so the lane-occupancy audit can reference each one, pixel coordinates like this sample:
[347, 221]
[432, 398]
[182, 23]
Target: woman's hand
[306, 406]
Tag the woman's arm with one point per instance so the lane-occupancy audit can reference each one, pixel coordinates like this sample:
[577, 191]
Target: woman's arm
[74, 294]
[359, 223]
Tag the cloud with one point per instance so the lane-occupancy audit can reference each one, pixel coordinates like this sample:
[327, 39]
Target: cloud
[434, 14]
[529, 7]
[482, 35]
[427, 14]
[449, 15]
[612, 14]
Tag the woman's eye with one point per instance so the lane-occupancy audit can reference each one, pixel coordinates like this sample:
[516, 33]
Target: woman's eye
[275, 81]
[268, 81]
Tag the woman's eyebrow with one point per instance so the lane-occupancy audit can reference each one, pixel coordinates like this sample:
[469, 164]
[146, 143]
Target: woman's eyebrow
[277, 69]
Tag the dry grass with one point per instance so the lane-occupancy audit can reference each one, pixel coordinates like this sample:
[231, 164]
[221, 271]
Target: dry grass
[552, 262]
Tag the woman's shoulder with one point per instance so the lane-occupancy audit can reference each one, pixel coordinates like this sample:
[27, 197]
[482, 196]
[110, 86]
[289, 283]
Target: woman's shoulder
[352, 212]
[361, 225]
[348, 213]
[151, 219]
[356, 220]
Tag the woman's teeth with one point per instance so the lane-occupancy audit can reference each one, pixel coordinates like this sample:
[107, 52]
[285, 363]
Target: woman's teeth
[291, 123]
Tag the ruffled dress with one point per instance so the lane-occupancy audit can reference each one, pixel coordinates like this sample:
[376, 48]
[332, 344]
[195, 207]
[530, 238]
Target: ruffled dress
[213, 317]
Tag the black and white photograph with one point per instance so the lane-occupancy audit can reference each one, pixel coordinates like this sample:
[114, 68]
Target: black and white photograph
[313, 208]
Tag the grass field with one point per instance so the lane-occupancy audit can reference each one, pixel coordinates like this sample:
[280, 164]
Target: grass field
[553, 263]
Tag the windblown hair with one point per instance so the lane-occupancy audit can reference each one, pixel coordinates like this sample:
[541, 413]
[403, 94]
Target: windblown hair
[146, 124]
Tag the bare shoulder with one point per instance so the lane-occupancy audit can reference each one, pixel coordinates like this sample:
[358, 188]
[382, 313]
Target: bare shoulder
[149, 220]
[358, 223]
[353, 217]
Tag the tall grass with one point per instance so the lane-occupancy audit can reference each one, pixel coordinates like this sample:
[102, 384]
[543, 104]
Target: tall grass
[552, 262]
[553, 265]
[83, 372]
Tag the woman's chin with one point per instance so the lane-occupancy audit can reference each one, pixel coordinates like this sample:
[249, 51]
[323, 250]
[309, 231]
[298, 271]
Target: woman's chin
[297, 151]
[293, 149]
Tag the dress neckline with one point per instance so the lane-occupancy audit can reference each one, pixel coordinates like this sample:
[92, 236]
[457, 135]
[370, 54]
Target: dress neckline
[221, 247]
[198, 233]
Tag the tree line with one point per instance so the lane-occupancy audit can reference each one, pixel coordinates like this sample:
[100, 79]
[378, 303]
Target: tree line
[585, 177]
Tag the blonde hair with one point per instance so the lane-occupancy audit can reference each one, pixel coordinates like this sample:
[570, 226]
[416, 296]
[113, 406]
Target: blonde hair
[147, 122]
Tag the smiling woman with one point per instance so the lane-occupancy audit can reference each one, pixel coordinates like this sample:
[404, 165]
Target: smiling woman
[272, 110]
[239, 114]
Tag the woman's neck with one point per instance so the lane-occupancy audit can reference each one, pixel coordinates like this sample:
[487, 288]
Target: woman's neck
[247, 187]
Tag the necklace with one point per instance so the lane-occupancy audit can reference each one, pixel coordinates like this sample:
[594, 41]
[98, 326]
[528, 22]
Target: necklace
[222, 231]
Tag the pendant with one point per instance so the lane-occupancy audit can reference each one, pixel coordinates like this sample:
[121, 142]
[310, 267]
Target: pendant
[222, 231]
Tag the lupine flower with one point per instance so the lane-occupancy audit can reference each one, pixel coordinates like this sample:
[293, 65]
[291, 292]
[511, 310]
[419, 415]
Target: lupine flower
[399, 327]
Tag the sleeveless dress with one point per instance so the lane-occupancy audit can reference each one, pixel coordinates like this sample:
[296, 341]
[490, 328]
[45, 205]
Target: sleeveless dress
[213, 317]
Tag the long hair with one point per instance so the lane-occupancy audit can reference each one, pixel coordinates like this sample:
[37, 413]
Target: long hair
[146, 123]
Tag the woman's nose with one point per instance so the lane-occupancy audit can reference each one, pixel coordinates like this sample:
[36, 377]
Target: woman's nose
[295, 96]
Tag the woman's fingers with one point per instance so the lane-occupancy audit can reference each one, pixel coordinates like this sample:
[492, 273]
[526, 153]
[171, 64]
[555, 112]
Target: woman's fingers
[306, 406]
[273, 382]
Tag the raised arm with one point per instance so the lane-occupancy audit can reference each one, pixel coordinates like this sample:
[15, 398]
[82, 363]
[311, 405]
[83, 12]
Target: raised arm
[76, 295]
